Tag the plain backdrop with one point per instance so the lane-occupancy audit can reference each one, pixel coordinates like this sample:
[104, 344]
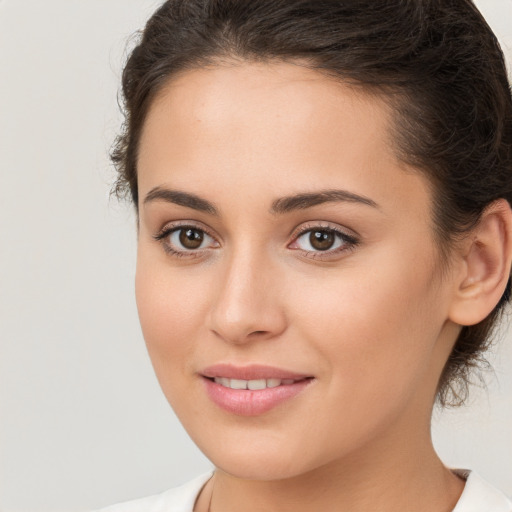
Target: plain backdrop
[82, 420]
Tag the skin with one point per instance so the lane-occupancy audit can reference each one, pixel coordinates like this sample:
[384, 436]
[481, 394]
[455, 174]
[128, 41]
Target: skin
[372, 322]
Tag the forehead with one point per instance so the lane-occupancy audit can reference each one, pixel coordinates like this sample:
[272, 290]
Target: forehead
[267, 95]
[261, 128]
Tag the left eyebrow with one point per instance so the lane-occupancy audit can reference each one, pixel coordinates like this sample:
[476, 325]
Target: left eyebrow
[306, 200]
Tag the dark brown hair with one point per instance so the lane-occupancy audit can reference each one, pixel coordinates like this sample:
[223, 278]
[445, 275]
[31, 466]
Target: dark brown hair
[436, 61]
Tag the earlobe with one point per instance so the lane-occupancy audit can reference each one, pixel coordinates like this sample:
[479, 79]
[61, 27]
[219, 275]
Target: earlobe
[486, 265]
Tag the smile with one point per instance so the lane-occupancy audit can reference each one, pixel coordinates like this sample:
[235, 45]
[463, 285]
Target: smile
[252, 390]
[253, 385]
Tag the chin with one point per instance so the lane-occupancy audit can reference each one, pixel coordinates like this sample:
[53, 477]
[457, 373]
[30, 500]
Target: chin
[258, 467]
[261, 457]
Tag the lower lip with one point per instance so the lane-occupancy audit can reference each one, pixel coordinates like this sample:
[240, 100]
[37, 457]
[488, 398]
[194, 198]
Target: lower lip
[245, 402]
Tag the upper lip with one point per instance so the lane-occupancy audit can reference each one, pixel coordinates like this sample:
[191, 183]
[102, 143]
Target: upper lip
[250, 372]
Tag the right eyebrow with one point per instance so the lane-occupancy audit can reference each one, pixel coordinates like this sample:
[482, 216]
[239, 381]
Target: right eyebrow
[182, 199]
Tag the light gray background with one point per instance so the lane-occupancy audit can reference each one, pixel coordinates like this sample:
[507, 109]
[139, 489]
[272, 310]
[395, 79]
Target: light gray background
[82, 420]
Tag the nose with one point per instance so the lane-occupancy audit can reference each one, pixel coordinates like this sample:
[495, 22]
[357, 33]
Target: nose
[248, 304]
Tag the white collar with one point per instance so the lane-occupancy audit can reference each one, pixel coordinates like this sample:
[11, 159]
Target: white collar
[480, 496]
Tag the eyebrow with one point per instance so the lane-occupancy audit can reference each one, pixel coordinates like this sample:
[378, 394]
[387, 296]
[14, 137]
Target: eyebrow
[182, 199]
[306, 200]
[283, 205]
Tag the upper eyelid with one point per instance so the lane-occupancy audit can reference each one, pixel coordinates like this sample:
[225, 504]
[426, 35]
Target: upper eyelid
[174, 226]
[348, 240]
[323, 225]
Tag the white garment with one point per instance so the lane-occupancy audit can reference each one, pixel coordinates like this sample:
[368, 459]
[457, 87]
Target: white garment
[478, 496]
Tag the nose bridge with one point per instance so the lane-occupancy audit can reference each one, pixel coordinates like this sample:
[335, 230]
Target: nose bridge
[247, 305]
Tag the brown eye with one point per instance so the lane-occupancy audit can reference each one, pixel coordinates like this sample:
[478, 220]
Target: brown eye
[190, 238]
[329, 241]
[186, 240]
[322, 240]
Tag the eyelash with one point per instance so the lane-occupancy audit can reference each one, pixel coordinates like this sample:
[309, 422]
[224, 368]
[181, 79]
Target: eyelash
[167, 231]
[349, 242]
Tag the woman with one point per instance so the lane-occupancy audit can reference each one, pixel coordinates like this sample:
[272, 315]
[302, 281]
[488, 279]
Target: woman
[323, 192]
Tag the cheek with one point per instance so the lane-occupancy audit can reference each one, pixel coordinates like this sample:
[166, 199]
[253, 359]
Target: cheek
[171, 312]
[374, 332]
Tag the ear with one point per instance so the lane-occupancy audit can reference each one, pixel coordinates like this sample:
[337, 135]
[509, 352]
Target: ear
[485, 265]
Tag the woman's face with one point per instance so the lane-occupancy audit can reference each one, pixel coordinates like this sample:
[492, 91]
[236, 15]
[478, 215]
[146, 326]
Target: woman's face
[283, 246]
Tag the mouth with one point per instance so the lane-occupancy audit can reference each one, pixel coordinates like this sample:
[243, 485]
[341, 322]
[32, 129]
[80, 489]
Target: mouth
[252, 390]
[254, 384]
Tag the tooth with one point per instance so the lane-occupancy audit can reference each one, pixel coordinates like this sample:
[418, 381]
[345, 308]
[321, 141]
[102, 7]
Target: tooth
[238, 384]
[287, 381]
[222, 381]
[273, 383]
[257, 384]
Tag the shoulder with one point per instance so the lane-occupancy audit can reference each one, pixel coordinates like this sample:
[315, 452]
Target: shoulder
[178, 499]
[481, 496]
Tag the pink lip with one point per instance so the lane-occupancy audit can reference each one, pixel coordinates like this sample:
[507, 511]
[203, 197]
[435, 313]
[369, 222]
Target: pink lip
[250, 372]
[245, 402]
